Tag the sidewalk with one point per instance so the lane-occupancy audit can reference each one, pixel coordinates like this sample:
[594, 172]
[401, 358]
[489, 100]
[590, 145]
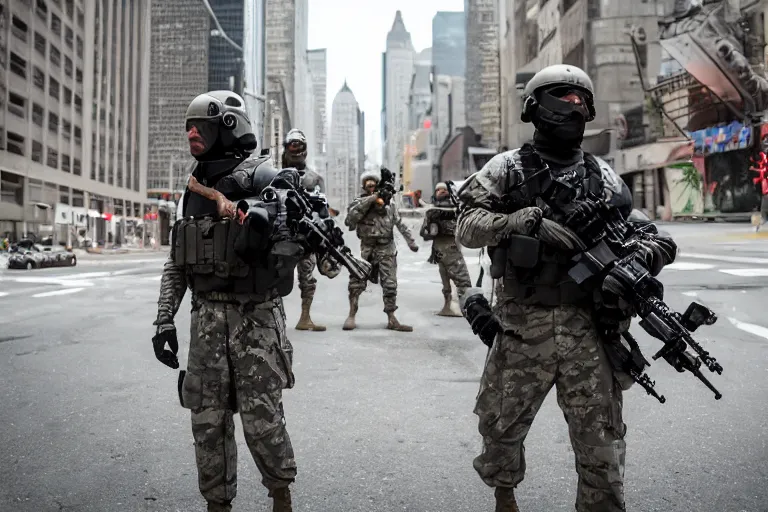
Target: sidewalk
[99, 253]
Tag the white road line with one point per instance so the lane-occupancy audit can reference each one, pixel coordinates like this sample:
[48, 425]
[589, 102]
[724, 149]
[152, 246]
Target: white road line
[691, 294]
[3, 294]
[684, 265]
[51, 280]
[757, 330]
[731, 259]
[746, 272]
[65, 291]
[152, 278]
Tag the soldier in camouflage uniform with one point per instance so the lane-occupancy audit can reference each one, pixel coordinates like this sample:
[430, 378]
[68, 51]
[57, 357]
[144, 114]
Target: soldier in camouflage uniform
[551, 328]
[295, 155]
[239, 357]
[440, 226]
[375, 223]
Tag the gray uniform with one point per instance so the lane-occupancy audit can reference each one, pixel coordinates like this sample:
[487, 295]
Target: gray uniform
[307, 265]
[440, 229]
[375, 226]
[549, 340]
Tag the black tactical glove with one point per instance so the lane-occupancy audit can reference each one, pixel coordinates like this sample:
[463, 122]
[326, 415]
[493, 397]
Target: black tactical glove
[585, 221]
[656, 253]
[166, 334]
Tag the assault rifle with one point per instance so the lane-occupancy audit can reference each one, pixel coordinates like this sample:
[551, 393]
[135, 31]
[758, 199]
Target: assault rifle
[612, 260]
[298, 212]
[385, 188]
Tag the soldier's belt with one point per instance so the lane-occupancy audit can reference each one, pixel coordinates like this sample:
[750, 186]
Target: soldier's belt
[378, 241]
[262, 301]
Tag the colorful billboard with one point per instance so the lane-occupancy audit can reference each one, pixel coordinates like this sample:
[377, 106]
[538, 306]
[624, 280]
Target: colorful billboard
[719, 139]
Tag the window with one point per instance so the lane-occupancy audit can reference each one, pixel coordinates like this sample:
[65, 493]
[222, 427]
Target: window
[53, 88]
[15, 144]
[66, 129]
[70, 7]
[17, 104]
[67, 96]
[53, 158]
[64, 191]
[79, 76]
[37, 152]
[42, 11]
[68, 66]
[40, 43]
[65, 163]
[79, 46]
[69, 37]
[18, 65]
[38, 78]
[55, 56]
[486, 17]
[76, 170]
[78, 135]
[53, 123]
[56, 24]
[11, 188]
[19, 29]
[80, 19]
[38, 114]
[78, 104]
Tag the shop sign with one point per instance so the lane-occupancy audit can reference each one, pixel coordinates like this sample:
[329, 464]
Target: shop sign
[720, 139]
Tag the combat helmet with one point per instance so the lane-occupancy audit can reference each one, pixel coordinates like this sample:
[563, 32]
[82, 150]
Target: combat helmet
[222, 120]
[559, 74]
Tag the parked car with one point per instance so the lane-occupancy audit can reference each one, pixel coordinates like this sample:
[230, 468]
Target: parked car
[38, 256]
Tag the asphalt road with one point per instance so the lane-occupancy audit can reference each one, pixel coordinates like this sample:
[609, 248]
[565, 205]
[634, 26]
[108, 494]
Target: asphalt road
[380, 421]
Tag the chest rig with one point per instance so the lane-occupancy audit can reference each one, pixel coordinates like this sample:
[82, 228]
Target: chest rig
[534, 272]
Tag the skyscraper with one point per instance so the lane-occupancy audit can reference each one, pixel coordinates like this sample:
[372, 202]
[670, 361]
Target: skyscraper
[449, 43]
[344, 155]
[73, 116]
[318, 67]
[483, 88]
[224, 60]
[178, 72]
[398, 72]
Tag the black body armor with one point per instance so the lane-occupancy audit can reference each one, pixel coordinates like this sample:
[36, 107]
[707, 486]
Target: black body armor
[212, 250]
[534, 272]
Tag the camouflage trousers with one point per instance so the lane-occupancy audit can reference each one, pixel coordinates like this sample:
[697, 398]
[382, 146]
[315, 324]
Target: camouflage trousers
[383, 257]
[544, 347]
[452, 267]
[307, 281]
[239, 361]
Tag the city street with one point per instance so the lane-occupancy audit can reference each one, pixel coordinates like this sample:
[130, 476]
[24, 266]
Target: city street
[380, 421]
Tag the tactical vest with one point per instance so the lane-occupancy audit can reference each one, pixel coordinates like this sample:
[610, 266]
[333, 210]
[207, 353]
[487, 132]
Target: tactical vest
[206, 249]
[537, 273]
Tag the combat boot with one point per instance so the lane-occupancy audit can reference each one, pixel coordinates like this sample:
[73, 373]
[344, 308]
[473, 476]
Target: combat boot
[305, 322]
[349, 323]
[505, 500]
[219, 507]
[281, 500]
[394, 325]
[447, 309]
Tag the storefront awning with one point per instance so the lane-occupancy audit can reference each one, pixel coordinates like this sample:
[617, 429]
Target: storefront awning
[656, 155]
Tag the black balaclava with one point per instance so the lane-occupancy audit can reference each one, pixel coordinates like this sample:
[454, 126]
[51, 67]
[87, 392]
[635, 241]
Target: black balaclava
[560, 124]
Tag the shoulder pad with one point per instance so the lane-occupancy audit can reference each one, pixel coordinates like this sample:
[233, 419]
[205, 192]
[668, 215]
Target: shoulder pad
[610, 178]
[493, 175]
[248, 179]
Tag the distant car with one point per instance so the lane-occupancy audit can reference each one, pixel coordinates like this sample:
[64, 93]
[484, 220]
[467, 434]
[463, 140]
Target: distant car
[38, 256]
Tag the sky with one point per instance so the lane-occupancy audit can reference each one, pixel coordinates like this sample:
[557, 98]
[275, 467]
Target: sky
[355, 34]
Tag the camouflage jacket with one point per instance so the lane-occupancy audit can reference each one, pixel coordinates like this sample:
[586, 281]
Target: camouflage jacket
[480, 226]
[373, 222]
[440, 224]
[311, 179]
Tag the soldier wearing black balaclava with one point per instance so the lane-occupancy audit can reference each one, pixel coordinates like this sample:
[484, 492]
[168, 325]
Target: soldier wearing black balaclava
[240, 359]
[552, 331]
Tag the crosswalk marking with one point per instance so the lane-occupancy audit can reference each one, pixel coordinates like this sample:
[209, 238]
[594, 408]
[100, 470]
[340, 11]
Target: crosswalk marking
[685, 265]
[65, 291]
[757, 330]
[746, 272]
[730, 259]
